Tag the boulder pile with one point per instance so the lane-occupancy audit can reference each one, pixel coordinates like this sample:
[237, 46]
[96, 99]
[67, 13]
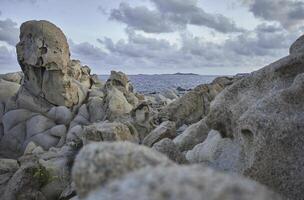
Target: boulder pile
[65, 134]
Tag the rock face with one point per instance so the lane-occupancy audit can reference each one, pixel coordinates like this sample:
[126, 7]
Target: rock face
[250, 125]
[167, 147]
[106, 131]
[180, 183]
[99, 163]
[119, 99]
[297, 46]
[264, 113]
[193, 135]
[44, 56]
[165, 130]
[7, 89]
[21, 127]
[194, 105]
[15, 77]
[217, 152]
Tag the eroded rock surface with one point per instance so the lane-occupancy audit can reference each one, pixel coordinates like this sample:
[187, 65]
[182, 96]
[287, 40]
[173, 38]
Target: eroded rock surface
[264, 113]
[99, 163]
[44, 57]
[181, 183]
[194, 105]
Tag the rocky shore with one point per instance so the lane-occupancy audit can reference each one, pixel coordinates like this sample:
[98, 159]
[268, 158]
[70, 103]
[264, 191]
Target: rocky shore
[64, 134]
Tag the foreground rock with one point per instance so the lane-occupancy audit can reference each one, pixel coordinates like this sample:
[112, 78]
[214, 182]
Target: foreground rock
[167, 147]
[180, 183]
[99, 163]
[264, 114]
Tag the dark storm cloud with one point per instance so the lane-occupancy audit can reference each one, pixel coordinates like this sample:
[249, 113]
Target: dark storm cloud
[170, 16]
[290, 13]
[9, 32]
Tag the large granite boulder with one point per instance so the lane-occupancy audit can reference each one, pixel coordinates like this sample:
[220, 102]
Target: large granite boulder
[44, 56]
[181, 183]
[264, 112]
[99, 163]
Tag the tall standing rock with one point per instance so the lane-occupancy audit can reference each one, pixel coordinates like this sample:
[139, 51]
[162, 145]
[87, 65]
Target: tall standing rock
[44, 56]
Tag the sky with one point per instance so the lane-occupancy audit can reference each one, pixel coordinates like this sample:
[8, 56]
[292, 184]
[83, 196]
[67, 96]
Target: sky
[209, 37]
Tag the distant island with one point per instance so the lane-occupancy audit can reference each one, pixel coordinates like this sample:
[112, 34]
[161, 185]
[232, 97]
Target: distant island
[186, 74]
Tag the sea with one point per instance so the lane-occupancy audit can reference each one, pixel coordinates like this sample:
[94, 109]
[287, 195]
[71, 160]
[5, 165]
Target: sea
[148, 84]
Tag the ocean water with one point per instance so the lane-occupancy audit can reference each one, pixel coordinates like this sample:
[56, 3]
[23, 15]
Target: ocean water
[156, 83]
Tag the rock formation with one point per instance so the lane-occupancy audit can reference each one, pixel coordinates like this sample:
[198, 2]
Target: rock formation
[64, 134]
[181, 183]
[49, 74]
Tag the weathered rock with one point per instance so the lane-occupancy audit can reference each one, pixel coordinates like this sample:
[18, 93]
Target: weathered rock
[106, 131]
[180, 183]
[117, 104]
[57, 163]
[193, 135]
[60, 114]
[194, 105]
[297, 46]
[99, 163]
[82, 118]
[7, 169]
[164, 130]
[15, 77]
[96, 109]
[120, 81]
[21, 127]
[143, 119]
[167, 147]
[25, 183]
[25, 100]
[80, 73]
[264, 113]
[220, 153]
[8, 89]
[170, 94]
[14, 124]
[43, 54]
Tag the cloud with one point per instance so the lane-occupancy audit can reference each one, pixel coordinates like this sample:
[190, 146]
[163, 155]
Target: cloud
[86, 49]
[140, 53]
[170, 16]
[9, 32]
[142, 18]
[289, 13]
